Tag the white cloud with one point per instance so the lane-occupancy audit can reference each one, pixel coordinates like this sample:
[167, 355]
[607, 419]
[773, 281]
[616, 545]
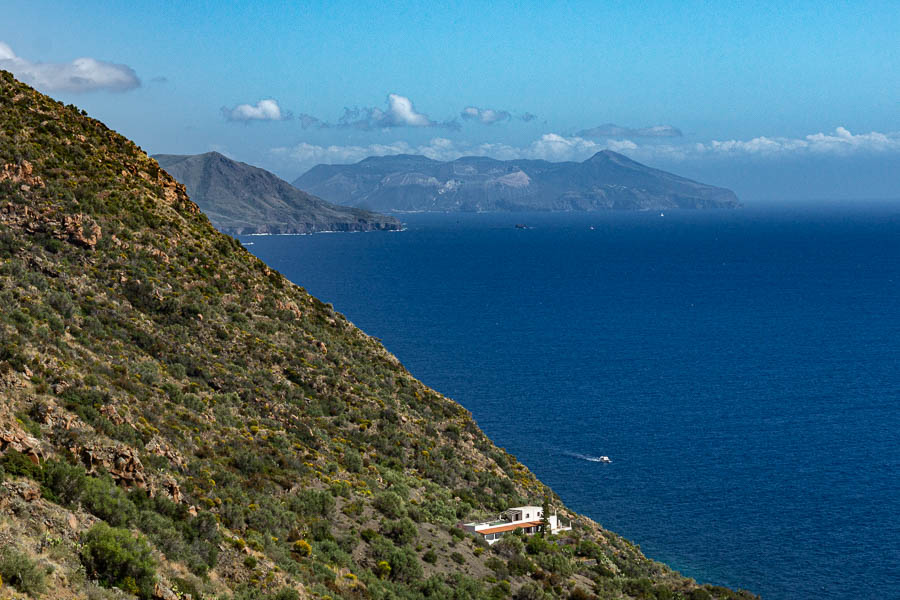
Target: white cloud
[556, 147]
[549, 147]
[80, 75]
[487, 116]
[610, 130]
[307, 155]
[840, 142]
[264, 110]
[399, 111]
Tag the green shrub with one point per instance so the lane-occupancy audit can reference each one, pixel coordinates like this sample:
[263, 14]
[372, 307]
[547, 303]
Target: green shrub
[353, 461]
[579, 593]
[556, 563]
[19, 571]
[403, 562]
[18, 465]
[430, 557]
[529, 591]
[311, 503]
[639, 588]
[402, 531]
[286, 593]
[390, 504]
[117, 558]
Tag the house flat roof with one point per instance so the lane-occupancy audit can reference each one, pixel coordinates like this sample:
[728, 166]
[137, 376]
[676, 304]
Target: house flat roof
[510, 527]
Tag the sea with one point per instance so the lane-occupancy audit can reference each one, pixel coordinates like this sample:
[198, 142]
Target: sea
[741, 369]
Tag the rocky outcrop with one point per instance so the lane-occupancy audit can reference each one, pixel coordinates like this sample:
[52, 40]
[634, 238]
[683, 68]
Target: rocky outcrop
[22, 174]
[122, 462]
[18, 440]
[78, 229]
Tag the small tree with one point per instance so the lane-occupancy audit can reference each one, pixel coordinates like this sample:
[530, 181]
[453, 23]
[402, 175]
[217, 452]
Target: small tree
[545, 516]
[117, 558]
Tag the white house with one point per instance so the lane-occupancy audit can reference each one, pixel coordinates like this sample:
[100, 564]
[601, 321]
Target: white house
[527, 518]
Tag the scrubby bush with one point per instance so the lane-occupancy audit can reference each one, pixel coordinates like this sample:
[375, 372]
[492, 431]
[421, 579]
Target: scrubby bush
[353, 461]
[699, 594]
[390, 504]
[403, 562]
[509, 546]
[402, 531]
[529, 591]
[117, 558]
[301, 548]
[311, 503]
[19, 571]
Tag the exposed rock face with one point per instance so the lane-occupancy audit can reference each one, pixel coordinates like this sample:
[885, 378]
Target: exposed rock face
[21, 442]
[122, 462]
[21, 174]
[607, 180]
[242, 199]
[77, 229]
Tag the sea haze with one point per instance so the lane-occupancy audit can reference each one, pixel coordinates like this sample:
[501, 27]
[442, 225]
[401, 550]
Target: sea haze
[741, 369]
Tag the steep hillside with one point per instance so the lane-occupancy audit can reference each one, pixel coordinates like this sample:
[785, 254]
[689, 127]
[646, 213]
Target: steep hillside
[178, 418]
[240, 199]
[605, 181]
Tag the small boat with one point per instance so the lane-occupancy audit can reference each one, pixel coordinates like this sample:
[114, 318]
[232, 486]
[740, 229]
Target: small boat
[521, 226]
[604, 459]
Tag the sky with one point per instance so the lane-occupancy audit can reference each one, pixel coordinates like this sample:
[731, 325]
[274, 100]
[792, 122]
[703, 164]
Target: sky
[776, 100]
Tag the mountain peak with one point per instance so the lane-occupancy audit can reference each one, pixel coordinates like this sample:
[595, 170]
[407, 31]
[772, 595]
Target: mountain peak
[243, 199]
[607, 180]
[612, 156]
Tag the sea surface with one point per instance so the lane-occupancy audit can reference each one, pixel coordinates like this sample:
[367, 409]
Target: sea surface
[741, 369]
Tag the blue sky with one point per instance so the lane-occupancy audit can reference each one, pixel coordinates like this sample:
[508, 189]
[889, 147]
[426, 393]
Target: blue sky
[776, 100]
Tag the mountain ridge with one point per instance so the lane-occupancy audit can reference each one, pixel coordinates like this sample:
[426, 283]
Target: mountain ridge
[607, 180]
[241, 199]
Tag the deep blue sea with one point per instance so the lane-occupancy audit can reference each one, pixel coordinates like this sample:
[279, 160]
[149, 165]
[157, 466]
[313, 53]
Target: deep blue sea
[741, 368]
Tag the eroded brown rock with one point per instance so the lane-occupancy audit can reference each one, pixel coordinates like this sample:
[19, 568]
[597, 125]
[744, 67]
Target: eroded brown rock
[18, 440]
[22, 174]
[78, 229]
[122, 462]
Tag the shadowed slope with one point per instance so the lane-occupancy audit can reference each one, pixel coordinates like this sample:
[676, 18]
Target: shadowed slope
[242, 199]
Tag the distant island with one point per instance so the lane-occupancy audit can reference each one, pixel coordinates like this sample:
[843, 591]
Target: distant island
[243, 199]
[412, 183]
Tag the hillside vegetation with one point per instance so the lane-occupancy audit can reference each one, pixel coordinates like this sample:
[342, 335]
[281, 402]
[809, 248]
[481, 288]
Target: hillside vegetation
[178, 419]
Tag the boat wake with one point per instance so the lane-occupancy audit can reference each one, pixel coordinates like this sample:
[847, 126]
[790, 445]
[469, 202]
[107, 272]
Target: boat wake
[588, 458]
